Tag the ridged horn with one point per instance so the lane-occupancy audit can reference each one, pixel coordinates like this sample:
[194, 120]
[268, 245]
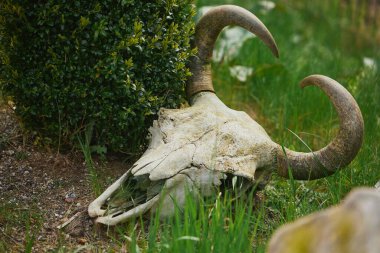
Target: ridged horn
[207, 31]
[344, 147]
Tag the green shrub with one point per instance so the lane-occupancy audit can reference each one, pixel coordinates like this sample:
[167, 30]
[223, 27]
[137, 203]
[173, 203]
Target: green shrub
[107, 66]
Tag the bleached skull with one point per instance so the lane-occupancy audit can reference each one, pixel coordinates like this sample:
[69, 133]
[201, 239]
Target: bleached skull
[194, 149]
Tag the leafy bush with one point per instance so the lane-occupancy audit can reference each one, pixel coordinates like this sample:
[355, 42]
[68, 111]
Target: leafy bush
[107, 66]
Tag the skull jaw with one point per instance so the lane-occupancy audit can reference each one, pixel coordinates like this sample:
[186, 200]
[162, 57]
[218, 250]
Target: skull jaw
[119, 217]
[197, 183]
[95, 208]
[172, 196]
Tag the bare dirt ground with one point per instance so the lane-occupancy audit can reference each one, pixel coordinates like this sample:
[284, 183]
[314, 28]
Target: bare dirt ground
[40, 190]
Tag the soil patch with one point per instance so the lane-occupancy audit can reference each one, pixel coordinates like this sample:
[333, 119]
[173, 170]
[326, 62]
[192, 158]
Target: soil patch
[40, 190]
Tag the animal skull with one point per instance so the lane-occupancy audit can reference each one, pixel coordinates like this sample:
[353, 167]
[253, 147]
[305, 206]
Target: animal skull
[194, 149]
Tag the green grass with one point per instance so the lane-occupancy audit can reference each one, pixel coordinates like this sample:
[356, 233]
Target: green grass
[212, 225]
[321, 37]
[12, 217]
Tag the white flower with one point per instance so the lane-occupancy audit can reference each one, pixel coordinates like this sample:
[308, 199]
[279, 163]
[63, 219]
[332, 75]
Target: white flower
[230, 43]
[370, 63]
[296, 38]
[241, 72]
[267, 6]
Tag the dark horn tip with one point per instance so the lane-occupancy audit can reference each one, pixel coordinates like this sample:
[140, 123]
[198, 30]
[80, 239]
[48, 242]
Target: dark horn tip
[275, 51]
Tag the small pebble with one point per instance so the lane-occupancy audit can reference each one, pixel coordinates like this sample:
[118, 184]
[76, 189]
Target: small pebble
[70, 197]
[82, 241]
[9, 152]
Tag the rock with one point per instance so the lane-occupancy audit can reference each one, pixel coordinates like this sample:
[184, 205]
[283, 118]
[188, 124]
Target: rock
[351, 227]
[70, 197]
[82, 240]
[9, 152]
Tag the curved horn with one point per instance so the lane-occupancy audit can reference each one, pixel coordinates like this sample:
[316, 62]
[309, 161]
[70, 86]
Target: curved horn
[206, 33]
[341, 151]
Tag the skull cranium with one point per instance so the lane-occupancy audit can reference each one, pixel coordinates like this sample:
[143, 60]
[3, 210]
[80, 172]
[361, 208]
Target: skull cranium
[197, 147]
